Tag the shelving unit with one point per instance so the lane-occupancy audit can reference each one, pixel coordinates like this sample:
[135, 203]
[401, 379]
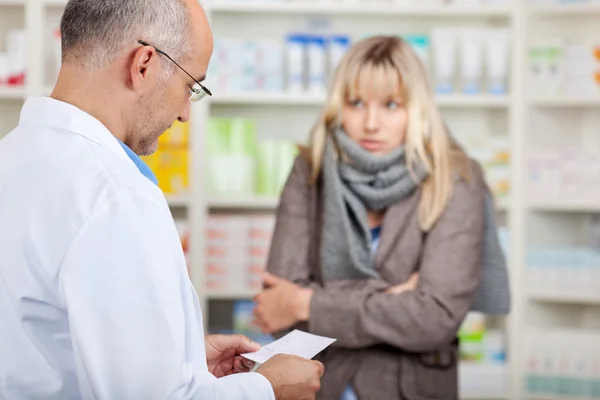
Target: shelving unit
[557, 123]
[529, 120]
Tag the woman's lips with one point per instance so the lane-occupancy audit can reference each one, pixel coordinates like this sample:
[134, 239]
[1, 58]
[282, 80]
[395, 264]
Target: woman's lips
[371, 145]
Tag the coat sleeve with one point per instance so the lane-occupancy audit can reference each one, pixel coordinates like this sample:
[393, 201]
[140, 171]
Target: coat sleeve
[132, 311]
[426, 318]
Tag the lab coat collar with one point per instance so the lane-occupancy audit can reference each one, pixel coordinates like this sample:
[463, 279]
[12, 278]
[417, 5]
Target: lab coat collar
[46, 111]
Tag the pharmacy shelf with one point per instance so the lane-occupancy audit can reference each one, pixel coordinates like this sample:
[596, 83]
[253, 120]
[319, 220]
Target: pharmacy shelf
[9, 93]
[564, 298]
[318, 99]
[224, 203]
[551, 206]
[374, 10]
[565, 9]
[567, 101]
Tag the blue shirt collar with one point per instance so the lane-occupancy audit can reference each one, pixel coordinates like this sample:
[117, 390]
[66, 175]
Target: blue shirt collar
[139, 163]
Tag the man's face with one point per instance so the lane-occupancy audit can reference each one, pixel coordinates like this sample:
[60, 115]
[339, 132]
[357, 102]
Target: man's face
[169, 101]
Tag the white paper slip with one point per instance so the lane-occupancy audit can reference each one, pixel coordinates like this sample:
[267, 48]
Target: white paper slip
[296, 343]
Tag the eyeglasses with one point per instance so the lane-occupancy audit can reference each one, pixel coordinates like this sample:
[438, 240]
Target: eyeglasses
[198, 91]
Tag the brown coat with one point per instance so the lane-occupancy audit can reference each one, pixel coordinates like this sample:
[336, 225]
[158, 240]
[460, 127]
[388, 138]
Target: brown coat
[388, 346]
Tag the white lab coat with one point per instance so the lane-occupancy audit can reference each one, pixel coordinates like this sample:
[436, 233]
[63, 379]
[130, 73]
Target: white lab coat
[95, 301]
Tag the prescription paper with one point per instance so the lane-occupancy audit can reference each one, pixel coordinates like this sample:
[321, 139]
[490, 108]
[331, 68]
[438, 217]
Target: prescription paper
[296, 343]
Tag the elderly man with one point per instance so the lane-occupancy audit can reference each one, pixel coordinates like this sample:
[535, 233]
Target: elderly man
[95, 302]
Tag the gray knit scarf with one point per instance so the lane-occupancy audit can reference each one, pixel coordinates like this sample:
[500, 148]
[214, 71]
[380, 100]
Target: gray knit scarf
[362, 182]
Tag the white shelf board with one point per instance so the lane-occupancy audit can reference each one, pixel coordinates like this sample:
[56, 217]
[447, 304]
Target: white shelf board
[565, 9]
[243, 203]
[468, 395]
[12, 3]
[230, 294]
[57, 3]
[564, 298]
[567, 101]
[12, 93]
[318, 99]
[306, 7]
[178, 201]
[563, 207]
[502, 204]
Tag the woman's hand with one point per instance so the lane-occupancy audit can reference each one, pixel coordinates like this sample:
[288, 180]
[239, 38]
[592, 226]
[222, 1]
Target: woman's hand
[281, 305]
[411, 284]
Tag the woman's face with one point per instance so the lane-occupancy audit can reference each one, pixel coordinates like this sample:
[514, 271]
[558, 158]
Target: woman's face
[377, 119]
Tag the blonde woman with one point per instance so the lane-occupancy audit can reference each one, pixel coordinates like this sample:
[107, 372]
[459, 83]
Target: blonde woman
[380, 233]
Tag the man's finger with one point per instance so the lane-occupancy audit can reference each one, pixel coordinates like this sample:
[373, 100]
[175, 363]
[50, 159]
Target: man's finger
[240, 343]
[241, 365]
[320, 368]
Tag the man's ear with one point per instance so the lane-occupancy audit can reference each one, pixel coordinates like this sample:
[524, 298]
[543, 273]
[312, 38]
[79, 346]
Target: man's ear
[142, 65]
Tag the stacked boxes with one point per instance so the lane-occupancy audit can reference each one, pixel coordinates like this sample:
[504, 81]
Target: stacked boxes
[237, 251]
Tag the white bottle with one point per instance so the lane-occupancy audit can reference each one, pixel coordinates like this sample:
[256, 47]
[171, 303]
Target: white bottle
[471, 59]
[15, 44]
[316, 61]
[338, 45]
[496, 55]
[295, 50]
[444, 56]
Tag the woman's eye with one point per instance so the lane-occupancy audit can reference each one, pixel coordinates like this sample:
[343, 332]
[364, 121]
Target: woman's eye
[356, 103]
[392, 105]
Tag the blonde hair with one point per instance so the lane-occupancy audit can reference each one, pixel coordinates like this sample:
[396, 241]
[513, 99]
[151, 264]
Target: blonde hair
[381, 62]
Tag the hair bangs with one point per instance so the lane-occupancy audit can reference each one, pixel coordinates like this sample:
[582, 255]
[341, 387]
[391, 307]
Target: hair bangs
[371, 80]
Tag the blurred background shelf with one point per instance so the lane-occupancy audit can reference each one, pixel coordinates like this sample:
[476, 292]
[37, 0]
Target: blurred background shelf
[373, 10]
[564, 298]
[567, 101]
[12, 2]
[231, 294]
[566, 9]
[9, 93]
[178, 201]
[224, 203]
[564, 207]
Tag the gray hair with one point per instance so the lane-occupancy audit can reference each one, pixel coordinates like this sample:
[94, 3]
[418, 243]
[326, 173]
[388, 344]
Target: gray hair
[96, 32]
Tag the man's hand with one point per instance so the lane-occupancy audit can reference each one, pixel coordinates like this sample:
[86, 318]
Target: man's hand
[411, 284]
[293, 378]
[223, 354]
[281, 305]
